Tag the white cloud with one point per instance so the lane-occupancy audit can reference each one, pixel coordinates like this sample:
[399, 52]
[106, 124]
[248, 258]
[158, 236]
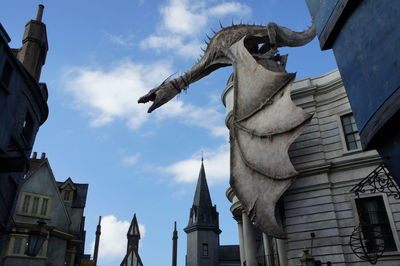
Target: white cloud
[131, 159]
[112, 94]
[229, 8]
[113, 237]
[216, 166]
[172, 42]
[205, 117]
[183, 16]
[182, 21]
[108, 95]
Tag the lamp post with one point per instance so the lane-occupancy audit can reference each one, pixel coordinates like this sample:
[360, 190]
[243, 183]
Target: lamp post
[307, 259]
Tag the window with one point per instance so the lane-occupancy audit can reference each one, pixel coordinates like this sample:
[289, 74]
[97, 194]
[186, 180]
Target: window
[67, 195]
[205, 250]
[18, 243]
[34, 205]
[375, 224]
[6, 75]
[350, 131]
[17, 247]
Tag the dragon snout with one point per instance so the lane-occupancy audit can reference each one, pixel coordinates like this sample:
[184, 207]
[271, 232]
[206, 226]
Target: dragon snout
[150, 96]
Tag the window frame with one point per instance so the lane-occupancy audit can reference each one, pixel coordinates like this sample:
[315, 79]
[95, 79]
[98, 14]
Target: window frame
[389, 216]
[70, 196]
[205, 250]
[29, 211]
[343, 134]
[10, 249]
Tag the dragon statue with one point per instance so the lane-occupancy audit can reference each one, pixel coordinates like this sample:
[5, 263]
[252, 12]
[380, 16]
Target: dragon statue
[264, 121]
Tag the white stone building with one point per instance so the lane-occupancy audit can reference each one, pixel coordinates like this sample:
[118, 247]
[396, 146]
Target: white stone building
[319, 211]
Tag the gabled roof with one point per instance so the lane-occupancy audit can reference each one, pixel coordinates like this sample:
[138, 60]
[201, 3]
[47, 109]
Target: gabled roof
[37, 164]
[134, 227]
[67, 183]
[79, 200]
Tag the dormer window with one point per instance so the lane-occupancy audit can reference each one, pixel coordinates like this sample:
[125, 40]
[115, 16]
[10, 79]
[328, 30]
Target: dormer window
[67, 190]
[67, 195]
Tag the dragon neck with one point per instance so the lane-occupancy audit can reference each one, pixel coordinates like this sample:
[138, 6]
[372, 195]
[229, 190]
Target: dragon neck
[198, 71]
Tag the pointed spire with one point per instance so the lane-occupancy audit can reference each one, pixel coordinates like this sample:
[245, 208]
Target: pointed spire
[202, 197]
[133, 234]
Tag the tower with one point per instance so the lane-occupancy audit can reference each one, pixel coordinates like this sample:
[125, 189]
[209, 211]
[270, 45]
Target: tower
[203, 227]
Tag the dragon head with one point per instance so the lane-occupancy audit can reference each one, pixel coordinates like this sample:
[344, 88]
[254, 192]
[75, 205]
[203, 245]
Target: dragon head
[161, 94]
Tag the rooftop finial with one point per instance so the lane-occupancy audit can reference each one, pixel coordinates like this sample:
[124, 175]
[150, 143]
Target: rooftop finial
[39, 14]
[202, 158]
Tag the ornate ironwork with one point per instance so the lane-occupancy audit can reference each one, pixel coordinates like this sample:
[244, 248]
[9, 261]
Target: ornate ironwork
[364, 247]
[379, 180]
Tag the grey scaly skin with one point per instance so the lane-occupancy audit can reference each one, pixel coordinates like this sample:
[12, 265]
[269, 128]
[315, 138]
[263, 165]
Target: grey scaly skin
[271, 36]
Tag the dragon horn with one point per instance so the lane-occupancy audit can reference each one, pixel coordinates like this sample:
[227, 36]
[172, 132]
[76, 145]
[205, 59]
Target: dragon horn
[220, 24]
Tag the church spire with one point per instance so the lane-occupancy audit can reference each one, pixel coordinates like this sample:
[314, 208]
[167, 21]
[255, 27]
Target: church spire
[203, 213]
[202, 197]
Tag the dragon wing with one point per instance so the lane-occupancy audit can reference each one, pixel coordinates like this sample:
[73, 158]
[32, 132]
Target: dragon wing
[265, 123]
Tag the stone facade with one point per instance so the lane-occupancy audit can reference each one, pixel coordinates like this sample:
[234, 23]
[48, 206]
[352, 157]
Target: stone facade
[23, 108]
[319, 211]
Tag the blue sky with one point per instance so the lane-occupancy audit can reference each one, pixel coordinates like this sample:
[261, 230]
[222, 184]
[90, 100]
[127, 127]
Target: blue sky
[102, 56]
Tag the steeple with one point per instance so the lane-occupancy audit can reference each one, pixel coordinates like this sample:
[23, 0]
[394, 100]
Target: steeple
[34, 45]
[133, 234]
[202, 213]
[203, 227]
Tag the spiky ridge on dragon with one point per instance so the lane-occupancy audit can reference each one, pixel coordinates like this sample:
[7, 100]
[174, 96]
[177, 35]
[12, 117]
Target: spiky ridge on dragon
[271, 37]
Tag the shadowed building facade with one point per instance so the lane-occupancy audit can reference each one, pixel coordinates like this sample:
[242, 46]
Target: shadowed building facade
[23, 109]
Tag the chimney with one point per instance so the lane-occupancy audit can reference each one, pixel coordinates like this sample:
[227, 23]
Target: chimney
[34, 45]
[34, 155]
[39, 14]
[43, 156]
